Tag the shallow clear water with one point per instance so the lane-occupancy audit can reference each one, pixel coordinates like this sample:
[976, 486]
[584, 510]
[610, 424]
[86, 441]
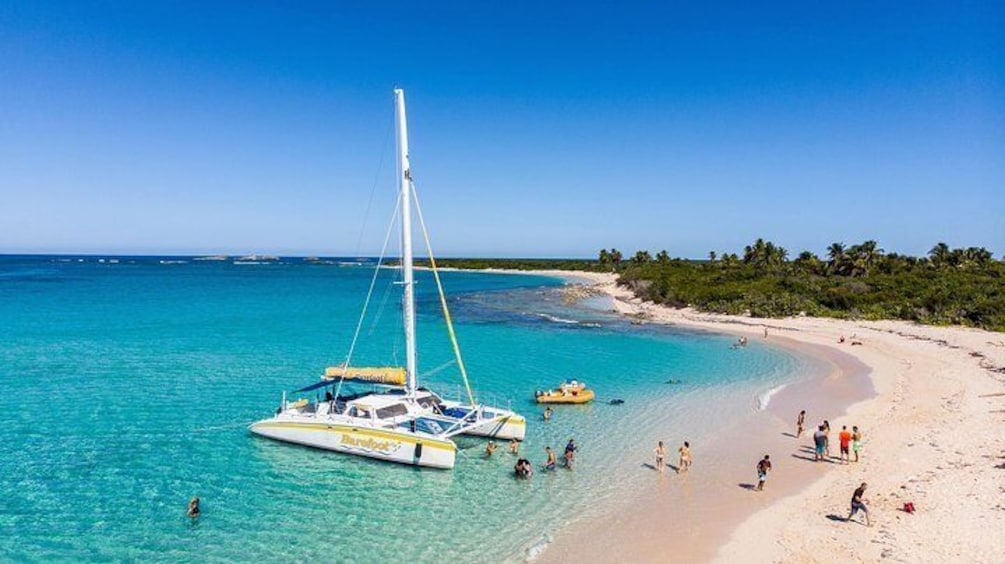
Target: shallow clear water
[128, 388]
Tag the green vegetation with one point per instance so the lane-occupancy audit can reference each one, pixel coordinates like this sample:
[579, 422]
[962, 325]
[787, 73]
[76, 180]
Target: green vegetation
[517, 264]
[948, 287]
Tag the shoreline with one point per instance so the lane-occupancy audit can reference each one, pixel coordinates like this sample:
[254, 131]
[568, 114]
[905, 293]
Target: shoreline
[935, 397]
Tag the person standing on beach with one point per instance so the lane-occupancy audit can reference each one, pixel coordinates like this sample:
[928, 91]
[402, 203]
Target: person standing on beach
[819, 444]
[827, 437]
[856, 441]
[685, 457]
[844, 439]
[765, 331]
[661, 454]
[858, 504]
[800, 422]
[763, 467]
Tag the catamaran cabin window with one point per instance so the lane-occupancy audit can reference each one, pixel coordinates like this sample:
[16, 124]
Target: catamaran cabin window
[392, 411]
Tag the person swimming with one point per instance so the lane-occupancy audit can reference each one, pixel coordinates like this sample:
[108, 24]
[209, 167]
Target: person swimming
[490, 448]
[514, 446]
[523, 468]
[193, 508]
[547, 414]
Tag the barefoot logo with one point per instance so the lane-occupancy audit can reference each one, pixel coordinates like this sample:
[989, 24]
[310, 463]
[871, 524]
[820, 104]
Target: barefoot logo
[370, 444]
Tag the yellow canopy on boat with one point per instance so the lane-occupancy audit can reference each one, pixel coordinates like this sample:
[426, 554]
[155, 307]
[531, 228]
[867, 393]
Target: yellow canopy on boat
[393, 376]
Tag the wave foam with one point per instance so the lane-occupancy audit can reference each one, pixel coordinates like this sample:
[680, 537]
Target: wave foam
[535, 550]
[555, 319]
[764, 399]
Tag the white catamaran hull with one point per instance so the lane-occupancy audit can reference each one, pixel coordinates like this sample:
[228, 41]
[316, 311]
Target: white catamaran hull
[383, 444]
[508, 427]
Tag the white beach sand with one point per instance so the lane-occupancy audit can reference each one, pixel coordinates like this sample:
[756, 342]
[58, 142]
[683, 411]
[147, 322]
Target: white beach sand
[934, 436]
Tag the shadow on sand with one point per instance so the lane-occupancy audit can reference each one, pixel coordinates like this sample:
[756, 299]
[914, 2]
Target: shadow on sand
[653, 467]
[750, 487]
[810, 459]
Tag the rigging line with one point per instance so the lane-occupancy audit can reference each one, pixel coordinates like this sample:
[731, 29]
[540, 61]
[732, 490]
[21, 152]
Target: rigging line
[440, 368]
[373, 189]
[443, 298]
[380, 310]
[369, 293]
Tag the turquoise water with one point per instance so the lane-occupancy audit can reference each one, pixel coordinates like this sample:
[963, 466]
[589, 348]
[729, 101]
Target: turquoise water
[128, 388]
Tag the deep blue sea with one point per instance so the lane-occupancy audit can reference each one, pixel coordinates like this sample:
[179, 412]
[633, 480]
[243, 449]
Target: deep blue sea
[128, 387]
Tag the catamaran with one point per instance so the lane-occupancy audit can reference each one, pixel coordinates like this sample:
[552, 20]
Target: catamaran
[397, 421]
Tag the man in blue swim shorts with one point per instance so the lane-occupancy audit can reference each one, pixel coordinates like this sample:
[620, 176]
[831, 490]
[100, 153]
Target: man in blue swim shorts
[858, 504]
[820, 444]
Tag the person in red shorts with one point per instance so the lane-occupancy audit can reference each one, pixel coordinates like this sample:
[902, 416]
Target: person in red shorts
[844, 437]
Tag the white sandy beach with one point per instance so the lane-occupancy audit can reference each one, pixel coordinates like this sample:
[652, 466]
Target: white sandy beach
[933, 436]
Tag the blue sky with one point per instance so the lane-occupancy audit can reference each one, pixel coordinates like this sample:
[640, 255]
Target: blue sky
[537, 128]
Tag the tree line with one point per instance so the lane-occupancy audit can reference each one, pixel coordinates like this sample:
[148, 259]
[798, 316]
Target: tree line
[964, 286]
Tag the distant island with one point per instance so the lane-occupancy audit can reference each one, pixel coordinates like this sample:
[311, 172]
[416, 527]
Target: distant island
[963, 286]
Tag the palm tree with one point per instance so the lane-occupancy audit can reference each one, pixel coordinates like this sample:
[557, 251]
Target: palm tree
[940, 255]
[977, 256]
[835, 252]
[711, 256]
[663, 257]
[779, 256]
[808, 261]
[870, 253]
[616, 257]
[604, 258]
[642, 257]
[838, 258]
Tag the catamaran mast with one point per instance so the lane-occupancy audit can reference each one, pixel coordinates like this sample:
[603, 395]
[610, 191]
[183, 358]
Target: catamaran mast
[407, 280]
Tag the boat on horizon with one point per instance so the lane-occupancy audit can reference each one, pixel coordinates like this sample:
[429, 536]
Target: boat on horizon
[395, 420]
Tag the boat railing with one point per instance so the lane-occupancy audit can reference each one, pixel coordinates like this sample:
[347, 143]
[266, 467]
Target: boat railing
[455, 392]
